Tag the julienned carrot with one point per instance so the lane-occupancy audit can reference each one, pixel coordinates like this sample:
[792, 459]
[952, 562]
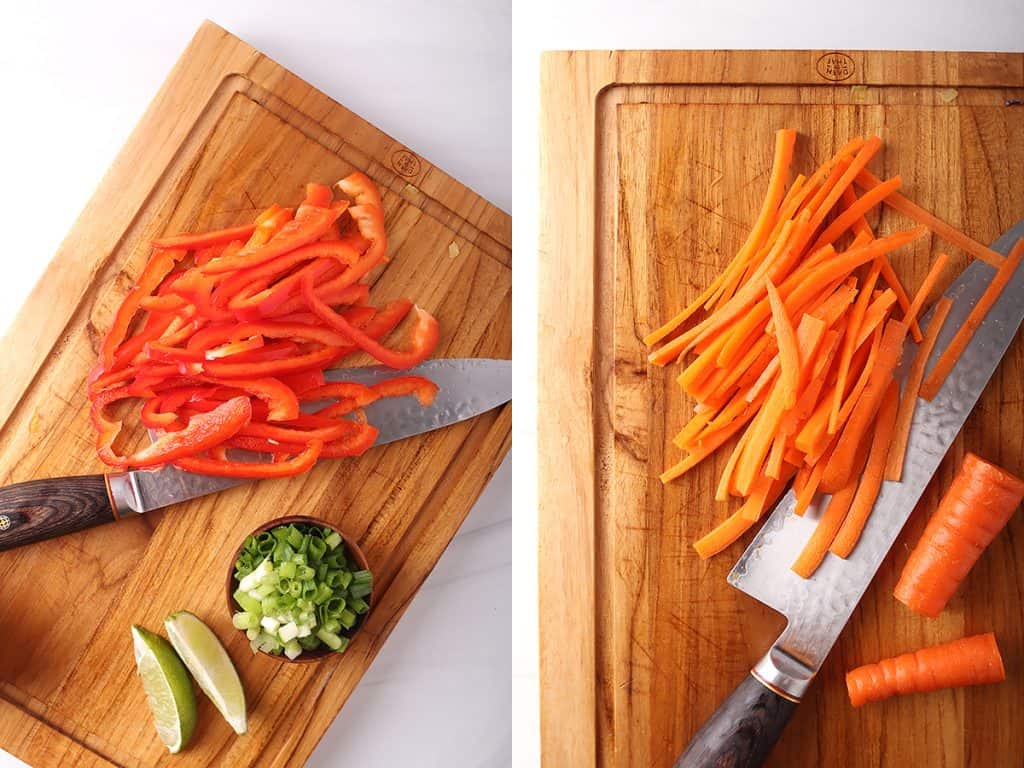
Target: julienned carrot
[857, 164]
[813, 553]
[977, 506]
[938, 266]
[969, 661]
[789, 352]
[854, 214]
[785, 139]
[877, 311]
[841, 465]
[950, 234]
[810, 490]
[936, 377]
[712, 444]
[740, 521]
[860, 307]
[860, 224]
[871, 481]
[911, 389]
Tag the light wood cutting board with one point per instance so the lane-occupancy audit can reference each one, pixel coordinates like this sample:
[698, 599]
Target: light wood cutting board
[653, 167]
[229, 132]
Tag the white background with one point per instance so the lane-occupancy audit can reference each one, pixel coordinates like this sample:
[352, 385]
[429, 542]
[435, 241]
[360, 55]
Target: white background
[79, 76]
[992, 25]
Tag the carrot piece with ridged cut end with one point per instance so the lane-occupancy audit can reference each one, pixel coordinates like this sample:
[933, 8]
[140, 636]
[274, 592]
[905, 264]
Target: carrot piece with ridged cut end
[979, 503]
[970, 661]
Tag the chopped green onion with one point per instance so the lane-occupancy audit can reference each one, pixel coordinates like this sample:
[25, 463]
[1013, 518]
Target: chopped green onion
[297, 591]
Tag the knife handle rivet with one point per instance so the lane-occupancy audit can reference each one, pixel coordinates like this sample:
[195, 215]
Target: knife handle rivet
[5, 522]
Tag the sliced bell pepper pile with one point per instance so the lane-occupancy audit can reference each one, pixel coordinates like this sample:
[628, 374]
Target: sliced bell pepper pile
[226, 332]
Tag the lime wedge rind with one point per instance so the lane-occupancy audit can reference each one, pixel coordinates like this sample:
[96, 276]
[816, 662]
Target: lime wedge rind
[210, 665]
[168, 688]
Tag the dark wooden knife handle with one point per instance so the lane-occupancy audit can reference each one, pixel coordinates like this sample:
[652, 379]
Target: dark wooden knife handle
[742, 731]
[44, 509]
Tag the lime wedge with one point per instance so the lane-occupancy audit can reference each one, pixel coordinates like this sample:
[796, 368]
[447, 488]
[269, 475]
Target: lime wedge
[209, 664]
[168, 688]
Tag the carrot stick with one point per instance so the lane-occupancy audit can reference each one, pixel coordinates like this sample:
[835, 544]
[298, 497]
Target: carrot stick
[855, 213]
[926, 286]
[893, 281]
[785, 138]
[911, 389]
[866, 180]
[739, 522]
[831, 519]
[810, 490]
[724, 489]
[860, 224]
[693, 428]
[969, 661]
[776, 455]
[978, 504]
[876, 314]
[857, 164]
[871, 481]
[862, 381]
[841, 465]
[794, 418]
[712, 444]
[860, 306]
[933, 383]
[789, 351]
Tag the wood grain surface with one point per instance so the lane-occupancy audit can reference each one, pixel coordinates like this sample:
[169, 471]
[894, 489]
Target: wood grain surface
[229, 133]
[653, 167]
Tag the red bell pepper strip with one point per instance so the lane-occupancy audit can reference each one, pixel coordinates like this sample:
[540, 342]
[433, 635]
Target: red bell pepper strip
[304, 381]
[225, 468]
[318, 194]
[152, 276]
[361, 438]
[302, 429]
[204, 255]
[201, 433]
[163, 353]
[337, 390]
[423, 340]
[198, 289]
[230, 370]
[333, 252]
[309, 224]
[234, 348]
[367, 212]
[154, 418]
[424, 389]
[355, 294]
[281, 401]
[206, 239]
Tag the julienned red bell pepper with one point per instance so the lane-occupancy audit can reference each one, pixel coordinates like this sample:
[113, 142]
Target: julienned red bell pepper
[152, 275]
[424, 389]
[422, 342]
[281, 400]
[227, 468]
[309, 224]
[357, 442]
[203, 431]
[367, 212]
[225, 348]
[206, 239]
[229, 370]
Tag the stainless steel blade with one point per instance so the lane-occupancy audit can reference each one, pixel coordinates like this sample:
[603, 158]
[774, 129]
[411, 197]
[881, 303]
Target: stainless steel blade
[467, 387]
[818, 608]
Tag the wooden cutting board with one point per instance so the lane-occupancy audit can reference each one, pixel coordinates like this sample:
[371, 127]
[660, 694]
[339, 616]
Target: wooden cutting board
[653, 168]
[229, 132]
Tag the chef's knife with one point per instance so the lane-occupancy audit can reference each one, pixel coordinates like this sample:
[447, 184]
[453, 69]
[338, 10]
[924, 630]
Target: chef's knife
[743, 730]
[44, 509]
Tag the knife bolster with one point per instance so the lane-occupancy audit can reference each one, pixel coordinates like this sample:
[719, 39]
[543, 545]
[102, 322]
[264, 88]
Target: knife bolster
[781, 672]
[124, 496]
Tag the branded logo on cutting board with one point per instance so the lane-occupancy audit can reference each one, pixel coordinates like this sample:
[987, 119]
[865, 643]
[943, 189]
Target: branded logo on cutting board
[406, 163]
[835, 66]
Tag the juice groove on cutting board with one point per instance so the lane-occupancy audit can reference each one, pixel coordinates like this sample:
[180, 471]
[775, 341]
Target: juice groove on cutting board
[653, 168]
[229, 133]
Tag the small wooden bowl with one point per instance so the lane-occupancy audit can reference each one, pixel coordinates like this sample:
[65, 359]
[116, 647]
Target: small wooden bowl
[352, 551]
